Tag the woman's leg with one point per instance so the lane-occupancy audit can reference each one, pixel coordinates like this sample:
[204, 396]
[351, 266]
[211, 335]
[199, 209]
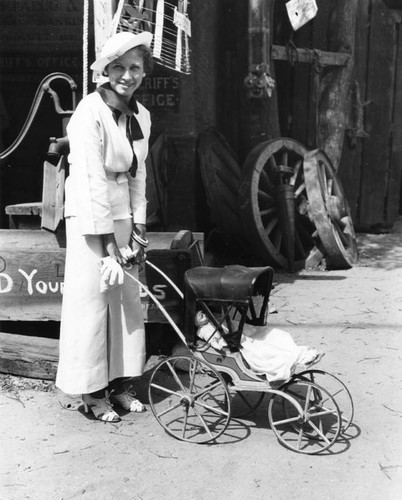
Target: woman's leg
[126, 332]
[83, 363]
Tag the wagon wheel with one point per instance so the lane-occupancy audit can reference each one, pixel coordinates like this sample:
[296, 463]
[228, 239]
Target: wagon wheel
[190, 399]
[330, 211]
[336, 388]
[273, 204]
[220, 173]
[313, 431]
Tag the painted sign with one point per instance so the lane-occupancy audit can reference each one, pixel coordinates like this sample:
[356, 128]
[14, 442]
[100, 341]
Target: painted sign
[41, 25]
[40, 36]
[32, 281]
[160, 90]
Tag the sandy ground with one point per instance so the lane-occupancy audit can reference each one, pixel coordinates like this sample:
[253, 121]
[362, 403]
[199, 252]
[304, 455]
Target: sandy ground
[51, 450]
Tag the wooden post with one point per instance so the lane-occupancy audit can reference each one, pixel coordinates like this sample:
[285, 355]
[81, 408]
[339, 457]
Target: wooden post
[260, 114]
[335, 83]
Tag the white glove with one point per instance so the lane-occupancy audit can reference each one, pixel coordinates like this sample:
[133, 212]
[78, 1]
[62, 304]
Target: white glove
[135, 254]
[127, 253]
[112, 274]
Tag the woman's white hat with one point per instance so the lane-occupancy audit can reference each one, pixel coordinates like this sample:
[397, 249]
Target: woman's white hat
[118, 44]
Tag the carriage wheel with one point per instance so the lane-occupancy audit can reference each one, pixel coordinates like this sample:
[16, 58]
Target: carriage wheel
[336, 388]
[311, 432]
[190, 399]
[244, 403]
[273, 204]
[330, 211]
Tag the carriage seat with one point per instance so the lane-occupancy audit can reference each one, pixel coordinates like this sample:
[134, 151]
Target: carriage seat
[233, 287]
[233, 282]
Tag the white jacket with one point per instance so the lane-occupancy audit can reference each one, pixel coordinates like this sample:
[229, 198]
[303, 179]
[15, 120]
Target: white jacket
[99, 188]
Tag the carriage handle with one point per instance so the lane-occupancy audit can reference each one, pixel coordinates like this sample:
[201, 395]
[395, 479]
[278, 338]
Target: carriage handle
[174, 286]
[160, 306]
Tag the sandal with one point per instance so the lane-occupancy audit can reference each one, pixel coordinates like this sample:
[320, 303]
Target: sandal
[101, 408]
[127, 401]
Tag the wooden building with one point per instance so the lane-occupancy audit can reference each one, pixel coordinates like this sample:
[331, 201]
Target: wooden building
[43, 37]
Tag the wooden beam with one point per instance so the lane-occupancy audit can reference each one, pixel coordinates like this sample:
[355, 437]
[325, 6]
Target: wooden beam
[33, 357]
[280, 53]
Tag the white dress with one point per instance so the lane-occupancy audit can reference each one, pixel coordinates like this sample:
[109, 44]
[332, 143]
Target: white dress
[102, 334]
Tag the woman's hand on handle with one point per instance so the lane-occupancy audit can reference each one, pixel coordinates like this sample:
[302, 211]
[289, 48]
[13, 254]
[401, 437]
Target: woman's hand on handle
[112, 249]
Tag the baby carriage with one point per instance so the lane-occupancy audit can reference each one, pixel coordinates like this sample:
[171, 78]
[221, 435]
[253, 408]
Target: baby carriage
[194, 395]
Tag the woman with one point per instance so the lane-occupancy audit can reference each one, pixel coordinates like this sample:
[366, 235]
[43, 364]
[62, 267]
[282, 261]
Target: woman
[102, 339]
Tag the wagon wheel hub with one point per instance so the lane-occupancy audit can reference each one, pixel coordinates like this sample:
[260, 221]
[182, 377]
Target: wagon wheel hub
[187, 400]
[285, 173]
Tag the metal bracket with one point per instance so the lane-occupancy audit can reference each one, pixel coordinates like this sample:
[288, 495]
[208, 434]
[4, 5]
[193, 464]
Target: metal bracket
[259, 82]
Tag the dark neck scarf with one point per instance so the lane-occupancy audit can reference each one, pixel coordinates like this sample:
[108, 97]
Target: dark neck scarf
[119, 107]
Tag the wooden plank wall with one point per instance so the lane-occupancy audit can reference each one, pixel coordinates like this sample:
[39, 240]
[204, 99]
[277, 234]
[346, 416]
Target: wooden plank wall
[393, 203]
[375, 155]
[350, 169]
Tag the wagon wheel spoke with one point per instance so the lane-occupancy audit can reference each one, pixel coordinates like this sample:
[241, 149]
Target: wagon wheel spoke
[296, 171]
[263, 195]
[168, 410]
[193, 366]
[265, 180]
[268, 211]
[173, 372]
[272, 162]
[185, 419]
[201, 418]
[300, 189]
[217, 411]
[271, 225]
[165, 389]
[288, 420]
[284, 157]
